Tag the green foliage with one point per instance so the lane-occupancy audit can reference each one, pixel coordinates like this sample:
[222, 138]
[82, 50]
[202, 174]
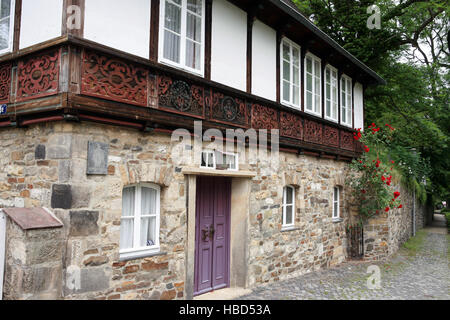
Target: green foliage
[414, 244]
[411, 52]
[371, 178]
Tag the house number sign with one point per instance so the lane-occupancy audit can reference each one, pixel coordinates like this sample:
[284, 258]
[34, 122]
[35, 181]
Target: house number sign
[3, 109]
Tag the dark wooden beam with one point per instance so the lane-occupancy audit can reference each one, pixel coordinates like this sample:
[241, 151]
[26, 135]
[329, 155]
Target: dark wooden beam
[17, 23]
[278, 64]
[250, 22]
[208, 38]
[154, 30]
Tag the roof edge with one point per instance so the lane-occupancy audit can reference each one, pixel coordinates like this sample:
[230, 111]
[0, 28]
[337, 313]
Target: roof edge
[297, 15]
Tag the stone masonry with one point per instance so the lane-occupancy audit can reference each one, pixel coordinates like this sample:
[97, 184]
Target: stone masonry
[46, 166]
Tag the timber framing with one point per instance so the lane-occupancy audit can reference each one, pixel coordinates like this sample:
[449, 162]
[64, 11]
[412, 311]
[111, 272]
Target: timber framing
[151, 97]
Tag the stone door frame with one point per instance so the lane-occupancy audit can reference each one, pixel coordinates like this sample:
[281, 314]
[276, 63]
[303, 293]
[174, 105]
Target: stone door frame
[239, 225]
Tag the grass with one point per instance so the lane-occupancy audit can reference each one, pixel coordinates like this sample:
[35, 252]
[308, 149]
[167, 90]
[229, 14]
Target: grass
[414, 244]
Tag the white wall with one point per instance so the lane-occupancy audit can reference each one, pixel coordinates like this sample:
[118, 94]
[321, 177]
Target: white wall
[359, 106]
[264, 61]
[41, 21]
[123, 25]
[229, 45]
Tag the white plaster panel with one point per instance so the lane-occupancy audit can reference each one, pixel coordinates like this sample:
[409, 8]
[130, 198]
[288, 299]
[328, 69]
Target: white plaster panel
[122, 25]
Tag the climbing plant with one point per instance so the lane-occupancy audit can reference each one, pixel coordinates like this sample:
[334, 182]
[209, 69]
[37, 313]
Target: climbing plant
[371, 174]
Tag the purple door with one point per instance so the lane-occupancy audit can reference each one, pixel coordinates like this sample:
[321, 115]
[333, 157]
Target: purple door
[212, 249]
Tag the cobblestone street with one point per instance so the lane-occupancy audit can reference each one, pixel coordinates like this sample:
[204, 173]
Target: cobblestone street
[423, 274]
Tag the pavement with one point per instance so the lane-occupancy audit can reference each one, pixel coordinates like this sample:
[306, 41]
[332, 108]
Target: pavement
[421, 274]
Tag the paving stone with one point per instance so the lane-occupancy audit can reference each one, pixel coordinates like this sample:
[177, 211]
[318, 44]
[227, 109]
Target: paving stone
[425, 276]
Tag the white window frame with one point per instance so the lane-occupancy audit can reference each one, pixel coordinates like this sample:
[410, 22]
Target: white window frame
[333, 103]
[314, 59]
[11, 28]
[285, 205]
[292, 45]
[182, 63]
[214, 167]
[337, 215]
[348, 94]
[137, 251]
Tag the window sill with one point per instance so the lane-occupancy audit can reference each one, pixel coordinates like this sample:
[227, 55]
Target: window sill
[198, 73]
[289, 229]
[291, 105]
[337, 220]
[319, 115]
[139, 254]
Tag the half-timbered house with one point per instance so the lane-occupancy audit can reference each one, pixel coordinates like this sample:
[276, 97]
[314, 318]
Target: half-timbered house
[95, 204]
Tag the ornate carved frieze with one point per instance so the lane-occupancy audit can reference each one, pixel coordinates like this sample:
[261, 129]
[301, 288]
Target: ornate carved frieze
[5, 82]
[113, 79]
[347, 140]
[180, 97]
[331, 136]
[291, 125]
[38, 76]
[264, 117]
[313, 132]
[229, 110]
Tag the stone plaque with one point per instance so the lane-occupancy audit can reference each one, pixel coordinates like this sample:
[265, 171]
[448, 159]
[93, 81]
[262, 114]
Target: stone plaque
[97, 161]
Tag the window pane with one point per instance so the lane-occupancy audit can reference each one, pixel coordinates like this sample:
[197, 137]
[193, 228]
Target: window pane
[173, 17]
[4, 34]
[5, 8]
[328, 107]
[289, 219]
[295, 57]
[308, 65]
[194, 6]
[296, 76]
[148, 201]
[336, 193]
[317, 85]
[317, 104]
[289, 195]
[126, 233]
[286, 52]
[148, 232]
[296, 95]
[128, 195]
[309, 100]
[317, 68]
[286, 71]
[309, 82]
[171, 47]
[192, 55]
[286, 91]
[336, 210]
[194, 27]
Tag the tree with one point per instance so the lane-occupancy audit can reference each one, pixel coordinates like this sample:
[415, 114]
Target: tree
[411, 52]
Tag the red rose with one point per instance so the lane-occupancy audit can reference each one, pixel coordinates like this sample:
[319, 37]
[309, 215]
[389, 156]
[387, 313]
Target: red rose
[387, 209]
[396, 194]
[400, 206]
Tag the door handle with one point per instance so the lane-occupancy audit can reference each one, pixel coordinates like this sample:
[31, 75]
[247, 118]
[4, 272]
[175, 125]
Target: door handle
[212, 231]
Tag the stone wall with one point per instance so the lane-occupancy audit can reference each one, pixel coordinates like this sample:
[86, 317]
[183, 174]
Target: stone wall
[316, 241]
[46, 166]
[385, 234]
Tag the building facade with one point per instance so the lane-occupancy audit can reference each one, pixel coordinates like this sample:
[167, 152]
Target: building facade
[99, 97]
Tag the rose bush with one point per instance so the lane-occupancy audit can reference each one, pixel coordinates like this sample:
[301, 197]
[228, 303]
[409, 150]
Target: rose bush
[371, 178]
